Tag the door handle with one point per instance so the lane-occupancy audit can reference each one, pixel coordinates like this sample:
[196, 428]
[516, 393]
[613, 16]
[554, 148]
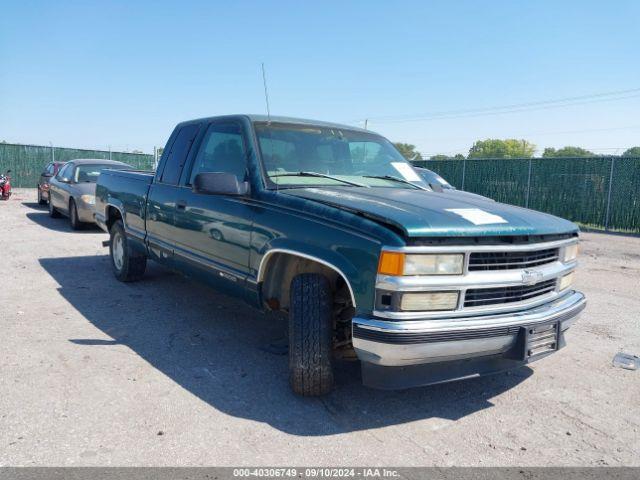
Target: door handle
[181, 204]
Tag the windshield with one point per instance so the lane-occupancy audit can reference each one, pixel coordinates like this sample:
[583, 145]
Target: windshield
[301, 155]
[89, 173]
[432, 178]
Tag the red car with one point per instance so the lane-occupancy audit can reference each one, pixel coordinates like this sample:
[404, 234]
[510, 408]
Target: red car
[43, 184]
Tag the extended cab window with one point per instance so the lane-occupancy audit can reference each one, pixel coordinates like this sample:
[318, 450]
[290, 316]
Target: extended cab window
[222, 150]
[178, 154]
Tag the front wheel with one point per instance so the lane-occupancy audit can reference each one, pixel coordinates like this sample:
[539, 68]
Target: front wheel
[41, 201]
[75, 222]
[128, 265]
[310, 335]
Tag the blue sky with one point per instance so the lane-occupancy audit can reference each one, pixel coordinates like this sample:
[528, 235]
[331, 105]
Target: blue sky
[122, 73]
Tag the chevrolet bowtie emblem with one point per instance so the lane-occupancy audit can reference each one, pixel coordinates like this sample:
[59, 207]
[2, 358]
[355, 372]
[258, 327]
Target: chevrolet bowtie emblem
[531, 277]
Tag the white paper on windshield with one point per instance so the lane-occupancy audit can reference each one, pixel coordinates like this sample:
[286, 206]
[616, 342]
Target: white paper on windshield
[477, 216]
[406, 171]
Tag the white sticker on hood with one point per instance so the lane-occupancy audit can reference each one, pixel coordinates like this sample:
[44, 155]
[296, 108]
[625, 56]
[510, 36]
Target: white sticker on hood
[477, 216]
[406, 171]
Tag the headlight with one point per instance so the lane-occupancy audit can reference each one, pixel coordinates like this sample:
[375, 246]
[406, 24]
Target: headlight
[570, 253]
[566, 281]
[89, 199]
[396, 263]
[423, 301]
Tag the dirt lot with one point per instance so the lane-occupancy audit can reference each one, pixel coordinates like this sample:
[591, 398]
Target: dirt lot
[168, 372]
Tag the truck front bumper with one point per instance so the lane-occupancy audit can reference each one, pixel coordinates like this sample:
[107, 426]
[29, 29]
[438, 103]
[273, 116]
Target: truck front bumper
[403, 354]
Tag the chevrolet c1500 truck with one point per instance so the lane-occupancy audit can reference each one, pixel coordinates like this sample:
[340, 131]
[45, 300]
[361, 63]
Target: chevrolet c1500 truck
[331, 225]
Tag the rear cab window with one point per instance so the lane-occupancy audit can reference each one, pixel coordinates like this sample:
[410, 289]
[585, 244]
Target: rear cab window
[176, 158]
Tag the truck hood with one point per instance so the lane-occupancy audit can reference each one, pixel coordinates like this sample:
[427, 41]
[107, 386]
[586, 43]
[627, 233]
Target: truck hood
[424, 213]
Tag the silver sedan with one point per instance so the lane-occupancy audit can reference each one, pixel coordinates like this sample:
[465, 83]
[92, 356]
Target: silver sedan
[72, 190]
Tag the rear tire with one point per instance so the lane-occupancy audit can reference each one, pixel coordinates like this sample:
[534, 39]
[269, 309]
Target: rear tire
[128, 265]
[41, 201]
[310, 335]
[53, 213]
[75, 222]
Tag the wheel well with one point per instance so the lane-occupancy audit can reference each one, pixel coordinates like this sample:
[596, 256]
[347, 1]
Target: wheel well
[113, 215]
[279, 269]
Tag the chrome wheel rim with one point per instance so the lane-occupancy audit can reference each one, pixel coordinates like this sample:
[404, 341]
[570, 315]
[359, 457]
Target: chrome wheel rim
[117, 251]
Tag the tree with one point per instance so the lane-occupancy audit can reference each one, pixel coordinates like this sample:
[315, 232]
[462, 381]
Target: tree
[457, 156]
[567, 152]
[408, 151]
[632, 152]
[495, 148]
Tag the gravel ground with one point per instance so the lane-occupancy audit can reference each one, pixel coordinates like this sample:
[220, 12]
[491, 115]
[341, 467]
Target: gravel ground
[168, 372]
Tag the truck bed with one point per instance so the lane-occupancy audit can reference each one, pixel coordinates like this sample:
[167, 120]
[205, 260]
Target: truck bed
[127, 191]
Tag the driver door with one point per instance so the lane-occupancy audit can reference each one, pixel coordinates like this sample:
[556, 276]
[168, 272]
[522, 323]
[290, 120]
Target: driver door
[213, 232]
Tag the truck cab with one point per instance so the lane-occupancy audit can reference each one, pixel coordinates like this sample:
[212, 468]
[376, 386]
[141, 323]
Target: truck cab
[332, 226]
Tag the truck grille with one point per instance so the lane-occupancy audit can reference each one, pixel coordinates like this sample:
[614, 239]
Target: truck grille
[511, 260]
[477, 297]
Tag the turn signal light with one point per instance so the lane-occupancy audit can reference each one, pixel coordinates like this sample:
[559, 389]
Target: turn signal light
[391, 263]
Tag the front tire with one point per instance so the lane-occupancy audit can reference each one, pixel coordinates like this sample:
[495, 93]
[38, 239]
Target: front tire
[128, 265]
[53, 213]
[310, 335]
[41, 201]
[75, 222]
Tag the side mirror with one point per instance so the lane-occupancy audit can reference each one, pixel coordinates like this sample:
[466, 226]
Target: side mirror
[218, 183]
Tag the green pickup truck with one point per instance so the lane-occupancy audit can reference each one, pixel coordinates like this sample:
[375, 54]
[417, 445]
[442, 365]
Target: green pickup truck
[332, 226]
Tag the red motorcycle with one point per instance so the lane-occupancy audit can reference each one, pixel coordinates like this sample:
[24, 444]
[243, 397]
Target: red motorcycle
[5, 186]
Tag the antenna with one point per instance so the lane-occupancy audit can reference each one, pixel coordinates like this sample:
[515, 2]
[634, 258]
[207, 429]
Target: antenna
[266, 94]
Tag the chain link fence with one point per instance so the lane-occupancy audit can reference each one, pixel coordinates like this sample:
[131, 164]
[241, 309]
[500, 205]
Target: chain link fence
[597, 192]
[27, 161]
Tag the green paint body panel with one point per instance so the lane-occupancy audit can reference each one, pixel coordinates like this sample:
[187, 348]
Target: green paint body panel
[224, 239]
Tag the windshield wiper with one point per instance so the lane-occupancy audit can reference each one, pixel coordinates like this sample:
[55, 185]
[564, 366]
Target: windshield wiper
[315, 174]
[395, 179]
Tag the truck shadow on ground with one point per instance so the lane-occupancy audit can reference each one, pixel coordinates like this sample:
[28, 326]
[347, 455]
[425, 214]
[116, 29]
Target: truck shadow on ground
[60, 224]
[215, 347]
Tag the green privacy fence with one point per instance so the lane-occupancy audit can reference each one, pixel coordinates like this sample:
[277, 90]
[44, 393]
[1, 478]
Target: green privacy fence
[27, 161]
[600, 192]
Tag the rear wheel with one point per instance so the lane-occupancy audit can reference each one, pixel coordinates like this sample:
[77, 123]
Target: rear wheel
[310, 335]
[75, 222]
[53, 213]
[41, 201]
[128, 265]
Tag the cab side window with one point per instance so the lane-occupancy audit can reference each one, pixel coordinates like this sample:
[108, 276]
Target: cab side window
[178, 154]
[222, 151]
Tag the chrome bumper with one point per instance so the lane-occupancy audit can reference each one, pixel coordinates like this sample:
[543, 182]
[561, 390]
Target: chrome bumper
[413, 342]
